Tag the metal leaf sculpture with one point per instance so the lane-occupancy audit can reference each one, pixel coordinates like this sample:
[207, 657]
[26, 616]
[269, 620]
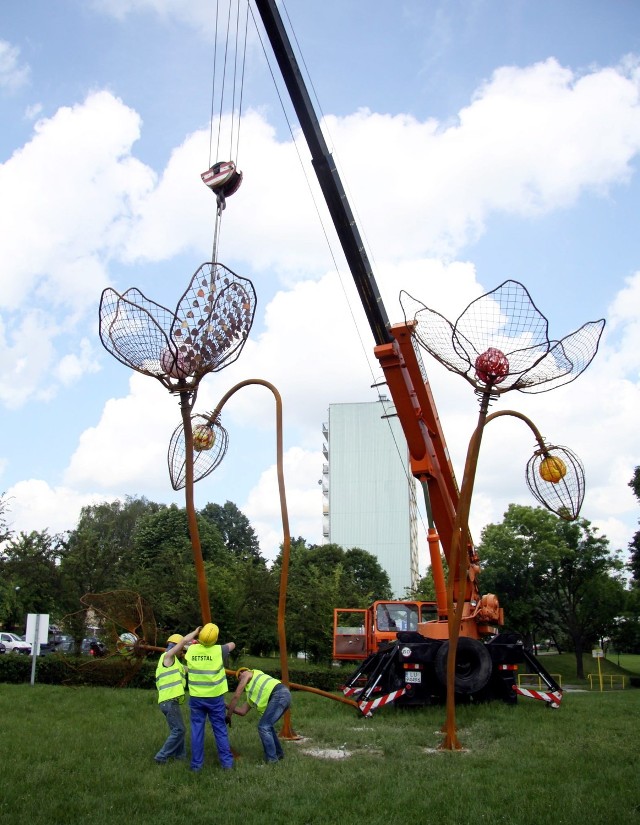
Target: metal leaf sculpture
[210, 441]
[500, 342]
[555, 477]
[205, 333]
[126, 609]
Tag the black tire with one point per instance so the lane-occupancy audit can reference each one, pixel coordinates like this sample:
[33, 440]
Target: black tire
[473, 665]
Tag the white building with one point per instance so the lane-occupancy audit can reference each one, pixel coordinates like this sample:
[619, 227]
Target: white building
[369, 498]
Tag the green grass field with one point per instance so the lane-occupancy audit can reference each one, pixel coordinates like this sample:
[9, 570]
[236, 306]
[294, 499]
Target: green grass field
[76, 756]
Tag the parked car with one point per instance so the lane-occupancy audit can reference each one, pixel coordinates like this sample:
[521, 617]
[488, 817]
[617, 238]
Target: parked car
[14, 644]
[58, 643]
[93, 647]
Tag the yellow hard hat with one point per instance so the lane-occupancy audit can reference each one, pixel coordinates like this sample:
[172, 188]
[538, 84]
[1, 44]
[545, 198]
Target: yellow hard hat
[208, 635]
[239, 671]
[174, 639]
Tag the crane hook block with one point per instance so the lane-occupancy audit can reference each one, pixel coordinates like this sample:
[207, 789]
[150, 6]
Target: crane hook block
[223, 179]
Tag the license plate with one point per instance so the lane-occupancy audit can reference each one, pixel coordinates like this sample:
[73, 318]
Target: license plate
[413, 676]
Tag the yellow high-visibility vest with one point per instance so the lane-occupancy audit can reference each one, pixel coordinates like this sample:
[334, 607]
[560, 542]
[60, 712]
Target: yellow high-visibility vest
[171, 680]
[207, 677]
[259, 690]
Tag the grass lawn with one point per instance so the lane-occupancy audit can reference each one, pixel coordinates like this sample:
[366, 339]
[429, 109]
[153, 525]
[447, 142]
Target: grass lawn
[76, 756]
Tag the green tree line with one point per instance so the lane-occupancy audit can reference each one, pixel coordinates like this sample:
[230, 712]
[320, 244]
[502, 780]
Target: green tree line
[143, 547]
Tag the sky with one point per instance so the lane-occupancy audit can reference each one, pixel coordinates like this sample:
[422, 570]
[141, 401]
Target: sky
[478, 141]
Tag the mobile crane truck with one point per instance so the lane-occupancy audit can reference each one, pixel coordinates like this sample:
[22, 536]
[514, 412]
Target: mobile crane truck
[407, 664]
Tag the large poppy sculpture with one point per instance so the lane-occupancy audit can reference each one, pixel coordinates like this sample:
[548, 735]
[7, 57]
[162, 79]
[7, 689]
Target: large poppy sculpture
[205, 333]
[499, 343]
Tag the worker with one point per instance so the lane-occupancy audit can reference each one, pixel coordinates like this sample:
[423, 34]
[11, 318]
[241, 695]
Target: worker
[270, 698]
[170, 682]
[207, 688]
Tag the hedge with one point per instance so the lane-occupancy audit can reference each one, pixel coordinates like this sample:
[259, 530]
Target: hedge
[114, 671]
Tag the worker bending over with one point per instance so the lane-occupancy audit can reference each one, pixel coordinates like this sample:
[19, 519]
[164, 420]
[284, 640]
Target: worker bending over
[270, 698]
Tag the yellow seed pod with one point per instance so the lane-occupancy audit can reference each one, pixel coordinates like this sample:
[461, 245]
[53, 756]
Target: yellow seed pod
[552, 469]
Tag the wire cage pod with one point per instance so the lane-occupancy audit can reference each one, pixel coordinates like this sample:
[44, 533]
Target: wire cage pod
[555, 477]
[210, 441]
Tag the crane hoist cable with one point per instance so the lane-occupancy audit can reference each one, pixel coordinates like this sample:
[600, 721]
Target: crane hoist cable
[223, 176]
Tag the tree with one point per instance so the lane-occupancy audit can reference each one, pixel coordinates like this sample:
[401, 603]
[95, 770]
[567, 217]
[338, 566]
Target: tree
[234, 527]
[5, 531]
[553, 576]
[29, 564]
[515, 555]
[321, 578]
[162, 569]
[634, 544]
[98, 554]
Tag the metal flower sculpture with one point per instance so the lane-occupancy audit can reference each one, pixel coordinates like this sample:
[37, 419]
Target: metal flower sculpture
[500, 343]
[205, 333]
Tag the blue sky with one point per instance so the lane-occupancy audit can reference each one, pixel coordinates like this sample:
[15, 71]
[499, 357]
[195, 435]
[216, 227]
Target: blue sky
[478, 141]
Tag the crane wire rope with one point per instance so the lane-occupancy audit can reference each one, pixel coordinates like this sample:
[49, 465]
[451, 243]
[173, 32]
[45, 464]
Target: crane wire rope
[388, 415]
[233, 130]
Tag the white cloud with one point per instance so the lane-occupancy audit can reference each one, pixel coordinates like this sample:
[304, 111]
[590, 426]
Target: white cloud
[303, 501]
[67, 196]
[12, 75]
[35, 505]
[198, 14]
[127, 449]
[421, 188]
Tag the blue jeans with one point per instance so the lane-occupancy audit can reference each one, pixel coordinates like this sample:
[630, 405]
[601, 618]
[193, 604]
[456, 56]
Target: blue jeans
[214, 709]
[279, 702]
[174, 746]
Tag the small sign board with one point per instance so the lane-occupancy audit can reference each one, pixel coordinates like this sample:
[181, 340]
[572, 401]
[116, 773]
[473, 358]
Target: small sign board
[37, 625]
[597, 653]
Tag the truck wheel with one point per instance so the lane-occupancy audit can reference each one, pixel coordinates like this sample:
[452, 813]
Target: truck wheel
[473, 665]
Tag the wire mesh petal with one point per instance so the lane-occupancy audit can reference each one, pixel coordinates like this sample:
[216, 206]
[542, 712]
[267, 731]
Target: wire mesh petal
[562, 494]
[213, 318]
[565, 361]
[134, 329]
[205, 461]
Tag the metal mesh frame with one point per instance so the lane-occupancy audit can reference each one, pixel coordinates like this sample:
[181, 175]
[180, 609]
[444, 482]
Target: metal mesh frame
[565, 496]
[204, 461]
[205, 333]
[506, 320]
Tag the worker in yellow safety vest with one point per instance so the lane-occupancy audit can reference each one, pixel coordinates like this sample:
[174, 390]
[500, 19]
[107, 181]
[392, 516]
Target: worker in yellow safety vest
[270, 698]
[170, 682]
[207, 688]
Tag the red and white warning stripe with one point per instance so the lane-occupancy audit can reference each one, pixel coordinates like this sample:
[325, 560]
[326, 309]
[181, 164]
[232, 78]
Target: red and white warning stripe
[553, 697]
[351, 691]
[367, 708]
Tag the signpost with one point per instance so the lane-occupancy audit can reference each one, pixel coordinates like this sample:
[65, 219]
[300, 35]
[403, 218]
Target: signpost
[37, 634]
[598, 653]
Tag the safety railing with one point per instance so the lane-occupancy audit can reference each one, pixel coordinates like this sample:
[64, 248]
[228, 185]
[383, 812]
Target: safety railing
[535, 680]
[609, 680]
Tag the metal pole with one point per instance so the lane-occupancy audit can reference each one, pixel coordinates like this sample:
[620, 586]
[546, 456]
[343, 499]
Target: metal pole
[35, 647]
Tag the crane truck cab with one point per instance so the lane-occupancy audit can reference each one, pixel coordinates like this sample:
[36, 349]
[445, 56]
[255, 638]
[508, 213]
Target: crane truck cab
[359, 632]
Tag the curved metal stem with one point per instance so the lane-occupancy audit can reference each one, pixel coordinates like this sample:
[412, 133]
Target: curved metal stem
[287, 730]
[460, 560]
